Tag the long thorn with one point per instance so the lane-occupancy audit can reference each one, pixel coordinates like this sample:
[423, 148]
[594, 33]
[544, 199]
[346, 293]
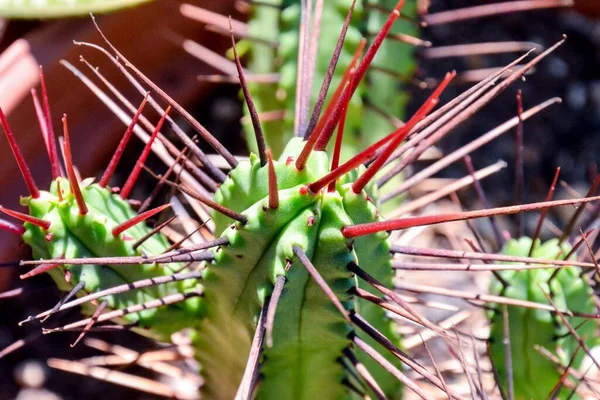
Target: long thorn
[365, 276]
[118, 290]
[337, 149]
[165, 301]
[153, 232]
[405, 223]
[507, 353]
[473, 103]
[329, 74]
[572, 330]
[205, 134]
[91, 322]
[495, 9]
[519, 171]
[75, 188]
[11, 293]
[135, 172]
[452, 188]
[388, 366]
[248, 381]
[273, 302]
[33, 190]
[40, 270]
[361, 70]
[12, 228]
[427, 106]
[365, 374]
[211, 203]
[273, 191]
[26, 218]
[467, 255]
[314, 135]
[112, 165]
[577, 213]
[215, 172]
[64, 300]
[415, 288]
[320, 281]
[115, 377]
[483, 198]
[117, 230]
[51, 137]
[380, 338]
[258, 133]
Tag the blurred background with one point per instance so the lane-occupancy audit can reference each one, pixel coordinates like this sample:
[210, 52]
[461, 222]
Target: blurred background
[153, 36]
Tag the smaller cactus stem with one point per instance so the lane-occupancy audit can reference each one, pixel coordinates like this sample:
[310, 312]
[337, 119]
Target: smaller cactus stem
[83, 210]
[404, 223]
[273, 191]
[137, 219]
[427, 106]
[112, 165]
[330, 71]
[33, 190]
[258, 133]
[116, 290]
[50, 136]
[26, 218]
[65, 299]
[320, 281]
[538, 228]
[128, 186]
[40, 269]
[91, 323]
[273, 302]
[12, 228]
